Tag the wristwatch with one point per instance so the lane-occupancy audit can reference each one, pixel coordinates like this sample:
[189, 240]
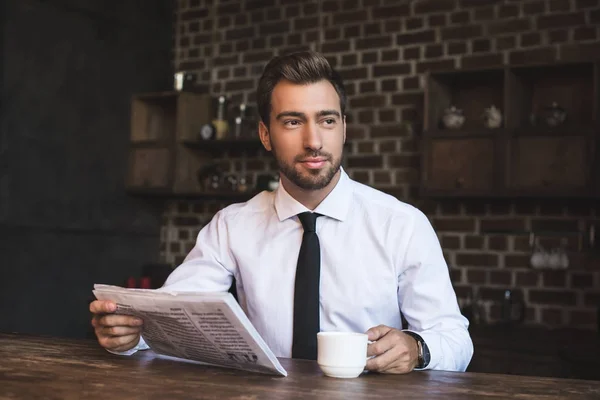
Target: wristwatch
[424, 355]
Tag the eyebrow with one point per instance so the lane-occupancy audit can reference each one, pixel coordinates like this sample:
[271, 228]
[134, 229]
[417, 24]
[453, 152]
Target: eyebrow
[301, 115]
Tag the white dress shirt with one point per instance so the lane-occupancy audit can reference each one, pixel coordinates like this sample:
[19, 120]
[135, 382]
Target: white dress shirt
[379, 257]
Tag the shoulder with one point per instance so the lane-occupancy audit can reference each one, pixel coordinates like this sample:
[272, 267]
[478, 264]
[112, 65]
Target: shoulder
[257, 207]
[374, 201]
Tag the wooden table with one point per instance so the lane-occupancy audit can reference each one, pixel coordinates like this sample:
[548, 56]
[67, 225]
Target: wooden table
[50, 368]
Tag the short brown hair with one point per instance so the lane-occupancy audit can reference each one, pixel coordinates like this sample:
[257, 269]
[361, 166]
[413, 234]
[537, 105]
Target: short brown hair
[301, 68]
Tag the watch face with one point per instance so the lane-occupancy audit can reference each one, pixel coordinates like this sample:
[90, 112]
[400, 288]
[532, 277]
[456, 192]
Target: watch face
[207, 131]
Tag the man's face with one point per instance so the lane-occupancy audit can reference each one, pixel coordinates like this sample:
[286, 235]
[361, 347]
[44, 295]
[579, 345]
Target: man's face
[306, 133]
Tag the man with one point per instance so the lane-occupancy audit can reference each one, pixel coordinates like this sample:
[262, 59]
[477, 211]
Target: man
[366, 259]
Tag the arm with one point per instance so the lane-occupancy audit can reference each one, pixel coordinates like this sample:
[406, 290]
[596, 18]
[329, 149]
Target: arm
[428, 302]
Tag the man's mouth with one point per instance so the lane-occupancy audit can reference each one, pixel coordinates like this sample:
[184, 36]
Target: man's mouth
[314, 162]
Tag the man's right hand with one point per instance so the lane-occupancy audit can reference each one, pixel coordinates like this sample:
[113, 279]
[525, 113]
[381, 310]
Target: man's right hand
[115, 332]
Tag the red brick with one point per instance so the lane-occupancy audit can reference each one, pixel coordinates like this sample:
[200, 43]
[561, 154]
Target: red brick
[388, 146]
[556, 225]
[586, 3]
[366, 147]
[412, 53]
[559, 5]
[373, 42]
[501, 225]
[582, 280]
[335, 47]
[508, 11]
[258, 56]
[366, 116]
[381, 131]
[353, 73]
[460, 17]
[484, 13]
[506, 43]
[476, 276]
[374, 161]
[493, 294]
[426, 36]
[592, 299]
[509, 26]
[481, 45]
[302, 24]
[580, 52]
[454, 224]
[367, 87]
[456, 275]
[477, 260]
[391, 69]
[450, 242]
[349, 60]
[531, 39]
[436, 20]
[497, 243]
[527, 278]
[382, 178]
[427, 6]
[579, 318]
[482, 61]
[473, 242]
[389, 85]
[412, 82]
[245, 84]
[372, 29]
[410, 24]
[554, 279]
[456, 48]
[410, 115]
[561, 20]
[361, 176]
[433, 66]
[404, 161]
[390, 12]
[369, 57]
[552, 316]
[462, 32]
[407, 99]
[450, 207]
[348, 17]
[392, 26]
[553, 297]
[544, 55]
[517, 261]
[501, 278]
[355, 132]
[534, 7]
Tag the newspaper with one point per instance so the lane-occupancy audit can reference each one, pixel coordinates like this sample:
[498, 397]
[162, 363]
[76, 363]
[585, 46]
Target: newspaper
[209, 328]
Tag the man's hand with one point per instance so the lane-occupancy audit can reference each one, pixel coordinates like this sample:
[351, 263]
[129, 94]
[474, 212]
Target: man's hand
[395, 352]
[114, 332]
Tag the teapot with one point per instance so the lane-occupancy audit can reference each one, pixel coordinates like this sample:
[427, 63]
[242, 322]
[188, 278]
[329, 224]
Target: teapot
[554, 115]
[492, 117]
[453, 118]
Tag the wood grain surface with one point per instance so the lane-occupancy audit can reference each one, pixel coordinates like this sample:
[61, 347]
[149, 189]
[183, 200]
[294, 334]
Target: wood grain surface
[52, 368]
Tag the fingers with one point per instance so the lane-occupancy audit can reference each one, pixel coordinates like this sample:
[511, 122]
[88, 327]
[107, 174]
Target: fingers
[116, 320]
[391, 353]
[118, 330]
[378, 331]
[102, 306]
[119, 343]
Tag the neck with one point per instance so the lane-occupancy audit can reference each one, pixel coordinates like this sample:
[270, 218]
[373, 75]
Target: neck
[309, 198]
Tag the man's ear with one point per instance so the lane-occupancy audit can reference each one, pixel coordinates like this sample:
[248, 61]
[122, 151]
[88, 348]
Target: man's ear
[265, 138]
[344, 119]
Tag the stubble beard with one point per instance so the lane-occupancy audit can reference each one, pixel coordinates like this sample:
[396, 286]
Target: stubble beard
[311, 179]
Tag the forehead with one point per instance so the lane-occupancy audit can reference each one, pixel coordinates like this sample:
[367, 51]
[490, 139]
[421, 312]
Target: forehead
[308, 98]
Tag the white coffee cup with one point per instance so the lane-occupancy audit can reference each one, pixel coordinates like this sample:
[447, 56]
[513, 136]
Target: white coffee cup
[342, 354]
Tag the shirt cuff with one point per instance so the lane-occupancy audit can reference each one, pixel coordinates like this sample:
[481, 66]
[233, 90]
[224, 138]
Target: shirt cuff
[435, 348]
[140, 346]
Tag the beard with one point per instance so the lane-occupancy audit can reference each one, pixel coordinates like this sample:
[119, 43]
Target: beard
[313, 179]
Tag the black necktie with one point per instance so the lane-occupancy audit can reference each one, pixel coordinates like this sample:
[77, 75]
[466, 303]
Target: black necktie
[306, 291]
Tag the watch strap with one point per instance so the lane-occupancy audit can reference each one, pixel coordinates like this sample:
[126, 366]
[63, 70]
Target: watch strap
[424, 355]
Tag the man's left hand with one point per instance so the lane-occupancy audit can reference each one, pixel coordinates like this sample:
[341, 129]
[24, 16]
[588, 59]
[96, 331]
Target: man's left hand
[395, 352]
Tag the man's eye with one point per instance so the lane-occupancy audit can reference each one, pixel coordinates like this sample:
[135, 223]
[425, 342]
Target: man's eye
[329, 121]
[292, 122]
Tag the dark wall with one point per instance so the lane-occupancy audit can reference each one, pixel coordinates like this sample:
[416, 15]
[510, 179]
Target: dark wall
[69, 70]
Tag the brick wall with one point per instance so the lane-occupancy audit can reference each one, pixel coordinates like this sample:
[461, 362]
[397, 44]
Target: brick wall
[382, 49]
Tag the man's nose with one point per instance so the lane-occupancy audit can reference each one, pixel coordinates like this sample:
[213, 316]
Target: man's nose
[312, 137]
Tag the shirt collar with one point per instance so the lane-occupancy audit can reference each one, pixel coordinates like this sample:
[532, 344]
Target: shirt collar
[336, 205]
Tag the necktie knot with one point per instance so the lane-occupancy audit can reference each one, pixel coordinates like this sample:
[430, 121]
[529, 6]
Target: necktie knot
[309, 221]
